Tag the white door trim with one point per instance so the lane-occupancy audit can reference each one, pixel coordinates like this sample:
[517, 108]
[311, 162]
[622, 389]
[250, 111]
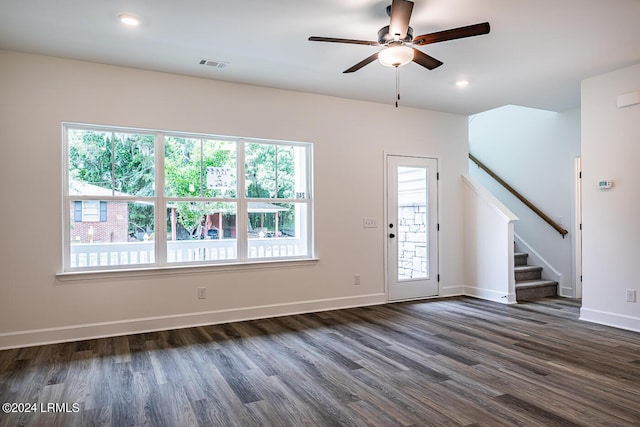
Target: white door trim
[577, 232]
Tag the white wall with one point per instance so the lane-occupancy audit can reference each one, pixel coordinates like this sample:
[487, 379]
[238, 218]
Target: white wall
[38, 93]
[534, 151]
[611, 226]
[489, 253]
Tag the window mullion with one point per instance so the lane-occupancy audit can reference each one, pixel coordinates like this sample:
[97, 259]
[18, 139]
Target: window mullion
[113, 164]
[241, 208]
[201, 190]
[160, 208]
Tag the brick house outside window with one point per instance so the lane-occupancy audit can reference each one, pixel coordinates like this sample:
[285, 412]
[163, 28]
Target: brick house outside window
[97, 220]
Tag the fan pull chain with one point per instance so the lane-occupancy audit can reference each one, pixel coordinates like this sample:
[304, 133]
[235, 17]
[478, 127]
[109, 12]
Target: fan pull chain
[397, 85]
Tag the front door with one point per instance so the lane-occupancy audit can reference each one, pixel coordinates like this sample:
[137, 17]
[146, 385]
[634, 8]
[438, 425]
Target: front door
[411, 227]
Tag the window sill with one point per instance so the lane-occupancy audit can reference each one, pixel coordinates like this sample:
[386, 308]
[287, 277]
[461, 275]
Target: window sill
[182, 269]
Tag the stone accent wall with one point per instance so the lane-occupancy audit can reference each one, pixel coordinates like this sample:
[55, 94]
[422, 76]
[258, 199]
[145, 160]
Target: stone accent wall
[412, 242]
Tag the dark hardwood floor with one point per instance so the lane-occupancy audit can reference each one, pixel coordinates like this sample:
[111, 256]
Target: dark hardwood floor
[451, 362]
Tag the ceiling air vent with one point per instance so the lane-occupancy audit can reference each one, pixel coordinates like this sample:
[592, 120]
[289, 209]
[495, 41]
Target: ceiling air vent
[212, 63]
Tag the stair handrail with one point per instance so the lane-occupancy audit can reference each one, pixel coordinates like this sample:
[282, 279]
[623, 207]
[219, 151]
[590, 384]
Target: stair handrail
[519, 196]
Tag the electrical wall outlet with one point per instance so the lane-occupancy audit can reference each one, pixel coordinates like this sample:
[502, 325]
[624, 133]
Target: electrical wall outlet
[631, 295]
[202, 293]
[356, 280]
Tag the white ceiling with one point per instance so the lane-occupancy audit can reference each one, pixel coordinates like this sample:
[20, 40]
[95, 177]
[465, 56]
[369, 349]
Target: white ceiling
[537, 53]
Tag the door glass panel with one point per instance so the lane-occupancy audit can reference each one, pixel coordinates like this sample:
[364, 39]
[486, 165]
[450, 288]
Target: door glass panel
[413, 250]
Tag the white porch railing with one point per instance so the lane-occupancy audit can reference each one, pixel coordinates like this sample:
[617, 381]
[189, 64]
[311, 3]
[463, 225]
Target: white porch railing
[178, 251]
[201, 250]
[106, 254]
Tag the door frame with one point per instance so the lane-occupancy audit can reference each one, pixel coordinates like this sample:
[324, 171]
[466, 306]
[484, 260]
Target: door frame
[386, 155]
[577, 231]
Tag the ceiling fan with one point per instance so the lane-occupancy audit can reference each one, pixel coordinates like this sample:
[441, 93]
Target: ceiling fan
[398, 41]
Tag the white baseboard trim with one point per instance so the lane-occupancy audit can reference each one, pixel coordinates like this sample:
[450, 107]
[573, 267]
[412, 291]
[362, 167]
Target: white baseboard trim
[615, 320]
[490, 294]
[452, 291]
[565, 291]
[162, 323]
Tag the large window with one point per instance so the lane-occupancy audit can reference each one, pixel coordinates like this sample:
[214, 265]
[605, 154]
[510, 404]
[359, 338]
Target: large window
[153, 198]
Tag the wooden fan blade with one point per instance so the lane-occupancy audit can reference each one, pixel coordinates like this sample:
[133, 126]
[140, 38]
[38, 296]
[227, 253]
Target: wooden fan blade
[362, 63]
[349, 41]
[425, 60]
[400, 16]
[452, 34]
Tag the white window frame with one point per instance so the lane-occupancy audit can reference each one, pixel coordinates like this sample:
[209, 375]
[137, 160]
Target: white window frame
[88, 208]
[160, 201]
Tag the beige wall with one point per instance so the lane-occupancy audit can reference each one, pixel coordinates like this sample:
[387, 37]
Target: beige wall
[350, 138]
[611, 226]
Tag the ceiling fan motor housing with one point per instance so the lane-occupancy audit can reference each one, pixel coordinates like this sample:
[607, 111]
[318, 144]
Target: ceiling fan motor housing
[384, 37]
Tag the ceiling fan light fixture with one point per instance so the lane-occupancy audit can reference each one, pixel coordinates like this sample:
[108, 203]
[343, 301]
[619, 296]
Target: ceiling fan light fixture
[395, 56]
[129, 20]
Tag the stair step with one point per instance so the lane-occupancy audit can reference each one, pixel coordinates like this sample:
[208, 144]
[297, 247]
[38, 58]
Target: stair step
[532, 289]
[527, 272]
[526, 284]
[520, 258]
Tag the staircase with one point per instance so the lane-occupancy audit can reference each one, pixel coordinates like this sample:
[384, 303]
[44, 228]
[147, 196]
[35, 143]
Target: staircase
[529, 282]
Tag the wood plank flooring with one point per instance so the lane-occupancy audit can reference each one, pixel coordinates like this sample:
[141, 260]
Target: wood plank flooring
[450, 362]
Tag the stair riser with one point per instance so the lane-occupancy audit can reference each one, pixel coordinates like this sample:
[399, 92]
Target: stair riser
[529, 285]
[521, 259]
[538, 292]
[528, 275]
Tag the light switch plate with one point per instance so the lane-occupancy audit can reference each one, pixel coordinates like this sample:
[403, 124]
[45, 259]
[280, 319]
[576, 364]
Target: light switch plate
[369, 223]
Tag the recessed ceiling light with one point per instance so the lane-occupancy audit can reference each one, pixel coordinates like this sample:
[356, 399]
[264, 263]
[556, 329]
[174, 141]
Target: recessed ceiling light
[462, 83]
[129, 20]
